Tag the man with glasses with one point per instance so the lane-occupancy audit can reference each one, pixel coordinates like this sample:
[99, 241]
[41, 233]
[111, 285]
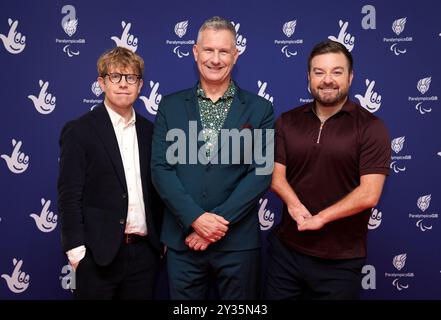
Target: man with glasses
[110, 212]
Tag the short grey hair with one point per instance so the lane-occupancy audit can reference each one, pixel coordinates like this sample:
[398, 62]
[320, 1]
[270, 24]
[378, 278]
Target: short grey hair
[217, 23]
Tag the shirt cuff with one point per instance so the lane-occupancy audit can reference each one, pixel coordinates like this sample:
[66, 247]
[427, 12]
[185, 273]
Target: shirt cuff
[75, 255]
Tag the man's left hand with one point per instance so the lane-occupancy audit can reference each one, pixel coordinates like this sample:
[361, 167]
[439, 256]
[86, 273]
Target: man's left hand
[196, 242]
[312, 223]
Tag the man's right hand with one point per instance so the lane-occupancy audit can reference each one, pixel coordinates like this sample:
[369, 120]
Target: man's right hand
[75, 255]
[210, 226]
[195, 242]
[299, 213]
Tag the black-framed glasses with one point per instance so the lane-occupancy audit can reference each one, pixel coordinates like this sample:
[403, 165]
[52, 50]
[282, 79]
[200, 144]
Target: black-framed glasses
[116, 77]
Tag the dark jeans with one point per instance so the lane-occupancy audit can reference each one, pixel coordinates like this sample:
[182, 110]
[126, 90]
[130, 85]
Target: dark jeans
[293, 275]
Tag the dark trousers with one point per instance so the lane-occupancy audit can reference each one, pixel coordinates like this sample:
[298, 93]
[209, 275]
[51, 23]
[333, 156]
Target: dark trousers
[237, 274]
[293, 275]
[131, 275]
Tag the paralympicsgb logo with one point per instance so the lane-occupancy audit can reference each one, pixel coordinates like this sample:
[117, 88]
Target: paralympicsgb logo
[69, 24]
[398, 43]
[423, 85]
[288, 29]
[424, 102]
[181, 47]
[397, 161]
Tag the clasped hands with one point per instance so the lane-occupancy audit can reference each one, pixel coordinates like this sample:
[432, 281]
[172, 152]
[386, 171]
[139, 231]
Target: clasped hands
[208, 228]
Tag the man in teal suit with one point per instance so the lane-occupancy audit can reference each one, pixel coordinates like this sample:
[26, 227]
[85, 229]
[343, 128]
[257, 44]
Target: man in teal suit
[212, 158]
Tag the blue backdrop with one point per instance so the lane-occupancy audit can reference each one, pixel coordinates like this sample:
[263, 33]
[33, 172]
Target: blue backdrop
[48, 60]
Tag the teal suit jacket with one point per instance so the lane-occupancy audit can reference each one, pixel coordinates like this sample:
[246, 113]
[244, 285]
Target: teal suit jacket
[229, 190]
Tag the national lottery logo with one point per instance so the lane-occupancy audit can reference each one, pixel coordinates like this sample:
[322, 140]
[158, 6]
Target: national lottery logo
[46, 220]
[289, 46]
[424, 102]
[375, 219]
[241, 41]
[398, 160]
[370, 100]
[19, 280]
[181, 47]
[397, 46]
[266, 217]
[18, 161]
[14, 41]
[126, 40]
[70, 24]
[262, 91]
[151, 102]
[44, 102]
[344, 37]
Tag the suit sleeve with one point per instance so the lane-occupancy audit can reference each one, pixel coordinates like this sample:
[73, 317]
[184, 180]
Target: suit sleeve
[72, 168]
[247, 193]
[166, 181]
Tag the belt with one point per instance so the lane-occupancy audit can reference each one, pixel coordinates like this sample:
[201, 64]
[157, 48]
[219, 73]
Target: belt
[133, 238]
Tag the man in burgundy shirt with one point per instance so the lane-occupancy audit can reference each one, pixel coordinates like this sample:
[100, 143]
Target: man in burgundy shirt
[332, 157]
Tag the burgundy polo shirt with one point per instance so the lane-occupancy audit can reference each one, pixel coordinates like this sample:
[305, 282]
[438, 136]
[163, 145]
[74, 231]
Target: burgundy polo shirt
[324, 167]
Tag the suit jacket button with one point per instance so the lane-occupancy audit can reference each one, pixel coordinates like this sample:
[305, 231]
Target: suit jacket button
[204, 194]
[124, 195]
[121, 221]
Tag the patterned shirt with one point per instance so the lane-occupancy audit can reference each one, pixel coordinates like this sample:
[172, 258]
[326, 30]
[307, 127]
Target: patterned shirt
[213, 115]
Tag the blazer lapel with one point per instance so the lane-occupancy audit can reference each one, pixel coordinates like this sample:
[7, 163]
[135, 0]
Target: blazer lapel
[104, 128]
[144, 144]
[192, 108]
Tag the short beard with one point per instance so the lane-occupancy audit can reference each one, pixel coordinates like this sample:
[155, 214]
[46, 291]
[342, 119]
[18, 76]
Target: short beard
[341, 96]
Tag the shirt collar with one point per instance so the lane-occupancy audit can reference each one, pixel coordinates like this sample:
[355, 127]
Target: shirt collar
[117, 119]
[231, 91]
[348, 107]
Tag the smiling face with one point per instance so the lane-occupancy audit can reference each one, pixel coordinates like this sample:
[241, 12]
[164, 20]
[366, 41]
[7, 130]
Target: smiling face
[329, 79]
[50, 223]
[120, 96]
[18, 44]
[22, 282]
[215, 54]
[21, 163]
